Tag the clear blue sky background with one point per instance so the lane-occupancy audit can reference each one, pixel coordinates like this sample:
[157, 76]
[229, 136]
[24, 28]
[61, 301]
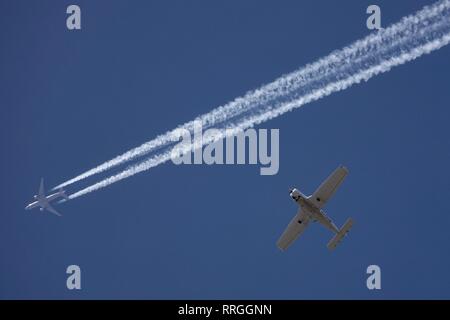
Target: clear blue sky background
[71, 100]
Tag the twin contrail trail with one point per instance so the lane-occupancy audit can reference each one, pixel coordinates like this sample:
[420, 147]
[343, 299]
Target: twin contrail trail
[413, 36]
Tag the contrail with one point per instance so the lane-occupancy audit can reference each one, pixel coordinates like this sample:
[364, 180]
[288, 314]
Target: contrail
[282, 89]
[412, 37]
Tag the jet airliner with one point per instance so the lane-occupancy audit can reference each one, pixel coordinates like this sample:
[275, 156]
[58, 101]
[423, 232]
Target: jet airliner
[43, 202]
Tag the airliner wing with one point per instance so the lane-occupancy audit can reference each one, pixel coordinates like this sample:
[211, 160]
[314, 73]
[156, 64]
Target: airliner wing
[296, 227]
[52, 210]
[329, 187]
[41, 188]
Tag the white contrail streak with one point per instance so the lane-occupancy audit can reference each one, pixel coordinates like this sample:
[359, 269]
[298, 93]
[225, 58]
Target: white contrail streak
[317, 94]
[337, 65]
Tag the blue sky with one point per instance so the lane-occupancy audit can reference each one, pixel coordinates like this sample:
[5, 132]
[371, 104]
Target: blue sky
[71, 100]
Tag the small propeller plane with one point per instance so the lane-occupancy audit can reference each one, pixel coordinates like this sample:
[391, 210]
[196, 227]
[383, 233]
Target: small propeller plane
[43, 201]
[310, 209]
